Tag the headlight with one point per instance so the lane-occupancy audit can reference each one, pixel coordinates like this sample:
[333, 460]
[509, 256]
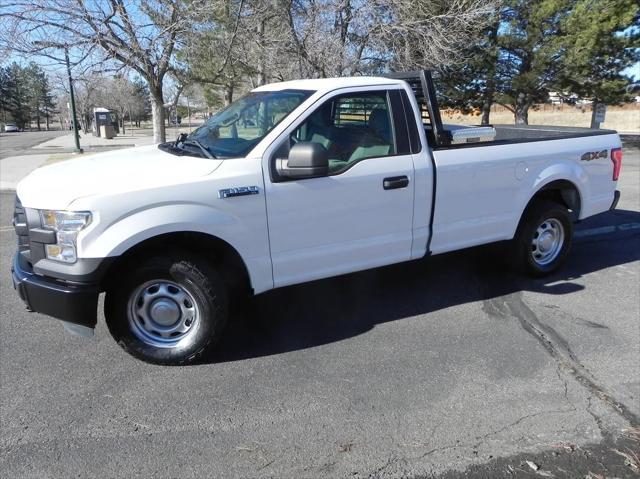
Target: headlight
[67, 225]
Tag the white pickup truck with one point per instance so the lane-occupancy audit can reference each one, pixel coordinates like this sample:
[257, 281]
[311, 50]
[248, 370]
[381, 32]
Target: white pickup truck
[296, 181]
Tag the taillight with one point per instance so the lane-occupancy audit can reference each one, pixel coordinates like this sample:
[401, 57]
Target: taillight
[616, 158]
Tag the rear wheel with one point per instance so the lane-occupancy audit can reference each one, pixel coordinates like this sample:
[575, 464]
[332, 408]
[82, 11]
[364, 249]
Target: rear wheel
[168, 310]
[543, 239]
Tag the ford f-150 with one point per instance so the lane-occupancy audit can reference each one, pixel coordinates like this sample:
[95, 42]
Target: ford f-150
[294, 182]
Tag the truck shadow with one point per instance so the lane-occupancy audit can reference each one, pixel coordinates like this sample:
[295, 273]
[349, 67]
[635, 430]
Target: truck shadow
[325, 311]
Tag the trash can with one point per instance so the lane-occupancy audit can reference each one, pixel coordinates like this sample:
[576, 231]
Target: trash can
[103, 117]
[107, 131]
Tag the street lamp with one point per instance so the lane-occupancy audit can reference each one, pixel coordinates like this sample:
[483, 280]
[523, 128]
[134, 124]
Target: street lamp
[76, 134]
[74, 117]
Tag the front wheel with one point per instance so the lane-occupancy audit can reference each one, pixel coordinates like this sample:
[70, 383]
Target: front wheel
[168, 310]
[543, 239]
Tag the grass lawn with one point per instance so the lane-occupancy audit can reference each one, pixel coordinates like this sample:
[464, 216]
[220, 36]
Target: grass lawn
[624, 118]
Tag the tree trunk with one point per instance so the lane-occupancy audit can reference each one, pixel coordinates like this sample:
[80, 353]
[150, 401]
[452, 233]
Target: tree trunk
[38, 119]
[157, 114]
[47, 119]
[486, 111]
[489, 94]
[487, 100]
[262, 68]
[228, 94]
[521, 112]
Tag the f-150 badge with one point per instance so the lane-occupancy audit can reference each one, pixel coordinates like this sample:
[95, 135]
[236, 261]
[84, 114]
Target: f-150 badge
[239, 191]
[594, 155]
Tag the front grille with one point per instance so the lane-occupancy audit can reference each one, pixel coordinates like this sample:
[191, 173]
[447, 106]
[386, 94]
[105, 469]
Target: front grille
[21, 226]
[25, 221]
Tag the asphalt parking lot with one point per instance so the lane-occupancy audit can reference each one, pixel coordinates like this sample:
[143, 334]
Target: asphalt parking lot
[450, 366]
[20, 143]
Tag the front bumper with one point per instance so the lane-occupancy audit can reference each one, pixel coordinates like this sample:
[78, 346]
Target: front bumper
[73, 303]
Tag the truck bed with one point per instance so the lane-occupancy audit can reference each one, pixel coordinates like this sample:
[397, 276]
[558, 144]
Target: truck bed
[509, 134]
[513, 133]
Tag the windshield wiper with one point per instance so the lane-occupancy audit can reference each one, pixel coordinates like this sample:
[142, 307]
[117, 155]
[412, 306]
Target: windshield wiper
[182, 140]
[206, 152]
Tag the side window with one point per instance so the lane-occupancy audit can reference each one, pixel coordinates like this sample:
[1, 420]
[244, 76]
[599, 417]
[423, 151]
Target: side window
[352, 127]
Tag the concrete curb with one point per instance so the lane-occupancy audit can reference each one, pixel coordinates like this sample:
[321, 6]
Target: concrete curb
[88, 142]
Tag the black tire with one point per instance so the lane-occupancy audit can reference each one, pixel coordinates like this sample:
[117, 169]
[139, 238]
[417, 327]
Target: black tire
[193, 276]
[522, 256]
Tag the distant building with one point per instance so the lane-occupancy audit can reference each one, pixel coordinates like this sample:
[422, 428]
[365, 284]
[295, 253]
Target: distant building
[635, 88]
[559, 98]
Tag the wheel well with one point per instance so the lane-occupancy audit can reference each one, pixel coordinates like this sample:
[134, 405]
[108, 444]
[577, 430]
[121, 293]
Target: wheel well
[221, 254]
[563, 192]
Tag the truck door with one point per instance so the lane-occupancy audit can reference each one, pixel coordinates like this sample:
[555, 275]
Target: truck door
[360, 215]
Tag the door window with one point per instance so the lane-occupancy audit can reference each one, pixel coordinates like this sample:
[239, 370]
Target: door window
[352, 127]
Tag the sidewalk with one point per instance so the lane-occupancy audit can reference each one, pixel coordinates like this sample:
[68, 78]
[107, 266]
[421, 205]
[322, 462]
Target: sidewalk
[90, 142]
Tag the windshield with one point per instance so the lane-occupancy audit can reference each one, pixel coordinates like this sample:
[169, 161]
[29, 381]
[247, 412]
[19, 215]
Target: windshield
[234, 131]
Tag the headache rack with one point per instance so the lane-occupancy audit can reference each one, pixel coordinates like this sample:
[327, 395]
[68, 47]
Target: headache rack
[422, 84]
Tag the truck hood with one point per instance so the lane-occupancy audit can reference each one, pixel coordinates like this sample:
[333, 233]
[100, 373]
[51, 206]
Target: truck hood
[58, 185]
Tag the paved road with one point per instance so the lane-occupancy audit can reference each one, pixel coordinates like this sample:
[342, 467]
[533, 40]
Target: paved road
[424, 368]
[12, 144]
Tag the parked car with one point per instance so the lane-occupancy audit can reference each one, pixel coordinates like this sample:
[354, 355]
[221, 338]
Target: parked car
[353, 173]
[11, 128]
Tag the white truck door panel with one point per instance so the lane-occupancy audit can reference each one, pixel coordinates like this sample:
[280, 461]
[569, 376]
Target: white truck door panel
[323, 227]
[347, 221]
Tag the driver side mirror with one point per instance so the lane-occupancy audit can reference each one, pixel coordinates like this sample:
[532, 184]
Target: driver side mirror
[306, 160]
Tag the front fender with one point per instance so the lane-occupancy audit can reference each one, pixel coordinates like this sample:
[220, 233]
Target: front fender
[122, 234]
[114, 238]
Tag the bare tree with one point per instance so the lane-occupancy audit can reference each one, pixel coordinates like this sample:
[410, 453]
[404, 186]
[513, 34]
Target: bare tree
[246, 43]
[235, 45]
[89, 93]
[141, 35]
[216, 53]
[347, 37]
[119, 95]
[174, 92]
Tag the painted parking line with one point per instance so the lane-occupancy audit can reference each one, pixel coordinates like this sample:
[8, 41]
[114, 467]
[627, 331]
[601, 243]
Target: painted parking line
[603, 230]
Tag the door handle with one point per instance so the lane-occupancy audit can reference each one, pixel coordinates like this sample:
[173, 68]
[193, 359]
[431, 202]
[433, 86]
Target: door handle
[395, 182]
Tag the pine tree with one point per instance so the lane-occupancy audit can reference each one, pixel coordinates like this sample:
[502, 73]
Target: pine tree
[528, 56]
[38, 93]
[578, 47]
[5, 93]
[15, 96]
[472, 85]
[598, 43]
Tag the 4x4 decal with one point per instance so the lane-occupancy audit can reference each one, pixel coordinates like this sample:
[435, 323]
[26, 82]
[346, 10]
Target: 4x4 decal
[594, 155]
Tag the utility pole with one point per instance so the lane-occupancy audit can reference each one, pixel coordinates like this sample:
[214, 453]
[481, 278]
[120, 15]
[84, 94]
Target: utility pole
[76, 135]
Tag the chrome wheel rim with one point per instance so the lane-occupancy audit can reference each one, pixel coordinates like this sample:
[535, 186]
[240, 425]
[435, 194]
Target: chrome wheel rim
[547, 241]
[162, 313]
